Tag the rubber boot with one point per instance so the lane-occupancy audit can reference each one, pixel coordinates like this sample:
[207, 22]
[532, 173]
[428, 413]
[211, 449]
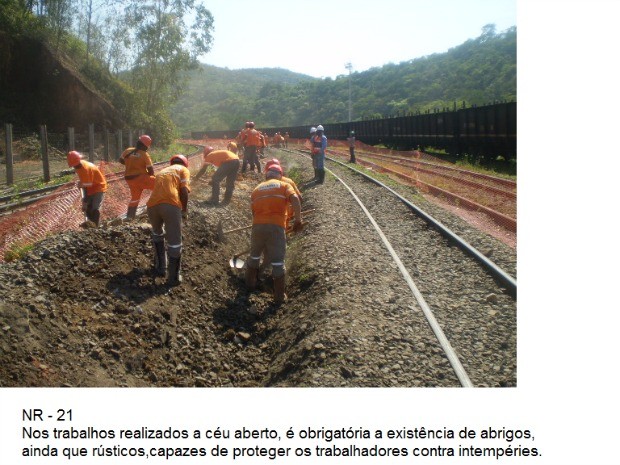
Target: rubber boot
[131, 213]
[251, 277]
[278, 290]
[321, 178]
[174, 271]
[94, 217]
[159, 258]
[227, 198]
[316, 175]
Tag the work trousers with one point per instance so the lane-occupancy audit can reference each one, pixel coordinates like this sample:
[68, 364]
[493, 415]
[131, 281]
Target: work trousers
[226, 170]
[137, 185]
[269, 239]
[166, 222]
[250, 156]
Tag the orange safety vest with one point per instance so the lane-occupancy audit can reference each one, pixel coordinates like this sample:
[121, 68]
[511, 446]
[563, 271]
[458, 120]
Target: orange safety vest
[270, 200]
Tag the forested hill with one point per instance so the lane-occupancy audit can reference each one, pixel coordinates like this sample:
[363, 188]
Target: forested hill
[222, 98]
[479, 71]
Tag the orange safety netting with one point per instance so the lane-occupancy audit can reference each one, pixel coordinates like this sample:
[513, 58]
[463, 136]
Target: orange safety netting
[61, 210]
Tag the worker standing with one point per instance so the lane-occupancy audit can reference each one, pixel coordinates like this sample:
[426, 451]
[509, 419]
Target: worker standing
[227, 163]
[92, 184]
[166, 208]
[351, 141]
[318, 143]
[312, 133]
[251, 142]
[270, 200]
[139, 172]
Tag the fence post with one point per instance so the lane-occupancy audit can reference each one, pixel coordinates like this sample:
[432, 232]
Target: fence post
[45, 154]
[119, 143]
[106, 144]
[129, 136]
[91, 142]
[8, 128]
[71, 139]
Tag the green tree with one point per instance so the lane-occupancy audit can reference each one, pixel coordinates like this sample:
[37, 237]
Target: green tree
[165, 47]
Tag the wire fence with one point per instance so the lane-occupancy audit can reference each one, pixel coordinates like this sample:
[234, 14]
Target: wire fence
[60, 208]
[29, 157]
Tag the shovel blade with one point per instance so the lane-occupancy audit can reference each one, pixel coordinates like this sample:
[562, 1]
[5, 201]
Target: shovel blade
[236, 262]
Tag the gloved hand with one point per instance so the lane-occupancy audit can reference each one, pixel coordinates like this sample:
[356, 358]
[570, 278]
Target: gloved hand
[298, 226]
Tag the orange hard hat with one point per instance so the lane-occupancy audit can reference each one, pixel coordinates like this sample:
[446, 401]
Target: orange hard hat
[251, 124]
[276, 168]
[270, 163]
[207, 150]
[74, 158]
[181, 158]
[232, 146]
[146, 140]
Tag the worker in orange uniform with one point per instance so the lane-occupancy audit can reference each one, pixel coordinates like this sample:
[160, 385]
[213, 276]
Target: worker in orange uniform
[166, 208]
[290, 212]
[286, 138]
[251, 142]
[139, 172]
[92, 184]
[232, 146]
[270, 200]
[227, 164]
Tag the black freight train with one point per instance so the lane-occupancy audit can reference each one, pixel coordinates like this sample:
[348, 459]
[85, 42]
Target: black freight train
[486, 131]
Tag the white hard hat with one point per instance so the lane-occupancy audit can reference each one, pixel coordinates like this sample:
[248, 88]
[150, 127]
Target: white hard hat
[320, 128]
[312, 129]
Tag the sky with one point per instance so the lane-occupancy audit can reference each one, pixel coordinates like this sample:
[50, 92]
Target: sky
[319, 37]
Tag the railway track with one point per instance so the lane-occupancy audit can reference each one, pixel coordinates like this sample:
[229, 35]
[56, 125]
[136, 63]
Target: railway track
[459, 303]
[480, 192]
[17, 201]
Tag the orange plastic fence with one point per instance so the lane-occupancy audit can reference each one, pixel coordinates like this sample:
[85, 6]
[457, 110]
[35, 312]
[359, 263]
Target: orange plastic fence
[61, 210]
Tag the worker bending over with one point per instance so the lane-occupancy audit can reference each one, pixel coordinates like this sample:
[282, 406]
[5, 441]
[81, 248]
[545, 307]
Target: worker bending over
[270, 200]
[92, 184]
[290, 213]
[227, 164]
[166, 209]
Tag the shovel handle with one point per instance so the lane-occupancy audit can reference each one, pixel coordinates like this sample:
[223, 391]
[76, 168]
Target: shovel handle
[241, 253]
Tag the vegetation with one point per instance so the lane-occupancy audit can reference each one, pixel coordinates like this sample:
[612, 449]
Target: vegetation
[479, 71]
[17, 252]
[141, 54]
[135, 51]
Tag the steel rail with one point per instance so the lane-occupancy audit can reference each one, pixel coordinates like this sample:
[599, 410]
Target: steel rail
[508, 281]
[29, 197]
[500, 275]
[453, 358]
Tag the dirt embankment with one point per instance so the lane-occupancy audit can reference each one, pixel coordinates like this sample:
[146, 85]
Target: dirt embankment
[38, 87]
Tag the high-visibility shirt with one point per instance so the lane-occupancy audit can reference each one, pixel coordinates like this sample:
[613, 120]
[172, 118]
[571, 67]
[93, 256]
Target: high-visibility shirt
[251, 137]
[136, 161]
[92, 178]
[217, 157]
[292, 183]
[270, 200]
[168, 184]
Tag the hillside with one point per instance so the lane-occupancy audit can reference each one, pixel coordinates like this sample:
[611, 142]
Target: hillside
[219, 97]
[479, 71]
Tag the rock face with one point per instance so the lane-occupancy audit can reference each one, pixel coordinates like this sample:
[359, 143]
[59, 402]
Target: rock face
[37, 87]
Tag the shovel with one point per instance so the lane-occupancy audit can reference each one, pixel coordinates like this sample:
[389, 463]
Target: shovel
[236, 262]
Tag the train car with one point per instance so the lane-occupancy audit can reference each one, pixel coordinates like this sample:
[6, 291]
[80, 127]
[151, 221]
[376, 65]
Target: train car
[486, 131]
